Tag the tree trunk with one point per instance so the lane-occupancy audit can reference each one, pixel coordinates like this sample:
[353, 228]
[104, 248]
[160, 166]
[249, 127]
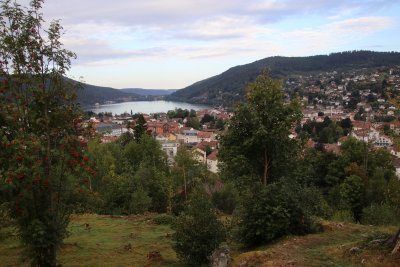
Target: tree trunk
[396, 248]
[184, 182]
[266, 167]
[394, 242]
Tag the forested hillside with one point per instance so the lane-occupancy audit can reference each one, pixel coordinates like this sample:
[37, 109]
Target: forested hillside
[228, 87]
[92, 94]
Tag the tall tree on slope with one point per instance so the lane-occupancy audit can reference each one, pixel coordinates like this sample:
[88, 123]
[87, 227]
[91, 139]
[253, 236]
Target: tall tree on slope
[256, 147]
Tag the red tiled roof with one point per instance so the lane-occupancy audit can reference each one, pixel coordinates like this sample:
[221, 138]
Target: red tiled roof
[333, 148]
[213, 155]
[203, 134]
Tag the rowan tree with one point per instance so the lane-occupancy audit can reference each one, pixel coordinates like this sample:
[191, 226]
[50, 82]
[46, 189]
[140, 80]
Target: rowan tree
[41, 151]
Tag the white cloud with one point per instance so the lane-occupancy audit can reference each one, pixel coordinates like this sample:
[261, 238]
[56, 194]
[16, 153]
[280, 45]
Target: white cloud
[337, 33]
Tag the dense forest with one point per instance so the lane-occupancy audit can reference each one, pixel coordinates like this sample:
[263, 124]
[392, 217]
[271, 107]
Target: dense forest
[228, 87]
[88, 95]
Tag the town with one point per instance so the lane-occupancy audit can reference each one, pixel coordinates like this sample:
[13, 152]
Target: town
[365, 100]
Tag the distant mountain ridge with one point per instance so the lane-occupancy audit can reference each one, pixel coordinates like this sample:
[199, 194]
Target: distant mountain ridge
[149, 92]
[89, 95]
[228, 87]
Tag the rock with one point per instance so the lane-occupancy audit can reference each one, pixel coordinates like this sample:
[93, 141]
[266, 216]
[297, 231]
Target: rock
[128, 247]
[354, 250]
[154, 256]
[220, 257]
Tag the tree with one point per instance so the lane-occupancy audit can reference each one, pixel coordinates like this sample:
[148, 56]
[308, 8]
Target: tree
[193, 122]
[207, 118]
[43, 161]
[140, 127]
[280, 208]
[197, 231]
[186, 170]
[257, 143]
[352, 191]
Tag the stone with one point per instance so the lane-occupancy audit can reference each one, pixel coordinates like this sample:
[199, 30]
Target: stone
[220, 257]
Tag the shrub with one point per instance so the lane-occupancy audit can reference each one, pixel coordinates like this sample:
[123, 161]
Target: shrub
[226, 199]
[140, 202]
[343, 216]
[164, 219]
[272, 212]
[197, 231]
[380, 214]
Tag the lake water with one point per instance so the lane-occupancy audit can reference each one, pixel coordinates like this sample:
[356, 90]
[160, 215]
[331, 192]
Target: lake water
[144, 107]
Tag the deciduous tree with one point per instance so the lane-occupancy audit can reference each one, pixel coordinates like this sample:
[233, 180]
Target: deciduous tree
[43, 160]
[257, 142]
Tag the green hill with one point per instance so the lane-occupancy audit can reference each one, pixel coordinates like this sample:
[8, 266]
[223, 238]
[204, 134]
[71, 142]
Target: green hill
[92, 94]
[228, 87]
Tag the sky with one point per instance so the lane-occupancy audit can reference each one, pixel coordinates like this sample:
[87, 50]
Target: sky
[170, 44]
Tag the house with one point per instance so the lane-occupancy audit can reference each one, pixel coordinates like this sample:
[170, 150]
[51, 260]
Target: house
[395, 151]
[212, 162]
[205, 136]
[110, 129]
[200, 155]
[383, 141]
[396, 164]
[188, 136]
[170, 148]
[332, 148]
[203, 145]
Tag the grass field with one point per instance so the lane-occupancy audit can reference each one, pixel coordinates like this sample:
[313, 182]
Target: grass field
[97, 240]
[106, 241]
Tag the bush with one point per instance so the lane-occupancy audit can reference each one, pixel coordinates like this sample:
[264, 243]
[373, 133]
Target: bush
[272, 212]
[226, 199]
[140, 202]
[343, 216]
[197, 231]
[164, 219]
[380, 214]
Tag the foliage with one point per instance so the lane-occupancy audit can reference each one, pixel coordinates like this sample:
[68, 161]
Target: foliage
[226, 199]
[193, 122]
[187, 172]
[178, 113]
[131, 179]
[207, 118]
[326, 131]
[353, 195]
[257, 144]
[44, 162]
[380, 214]
[140, 127]
[140, 202]
[343, 216]
[166, 219]
[274, 211]
[197, 231]
[228, 88]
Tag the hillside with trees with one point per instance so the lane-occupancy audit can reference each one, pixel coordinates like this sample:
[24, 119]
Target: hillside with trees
[67, 197]
[228, 87]
[88, 95]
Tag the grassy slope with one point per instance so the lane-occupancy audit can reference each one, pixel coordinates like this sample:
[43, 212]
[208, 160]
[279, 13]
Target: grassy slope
[107, 241]
[330, 248]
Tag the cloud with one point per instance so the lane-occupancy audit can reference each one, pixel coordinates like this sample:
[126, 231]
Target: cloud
[104, 32]
[336, 34]
[222, 27]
